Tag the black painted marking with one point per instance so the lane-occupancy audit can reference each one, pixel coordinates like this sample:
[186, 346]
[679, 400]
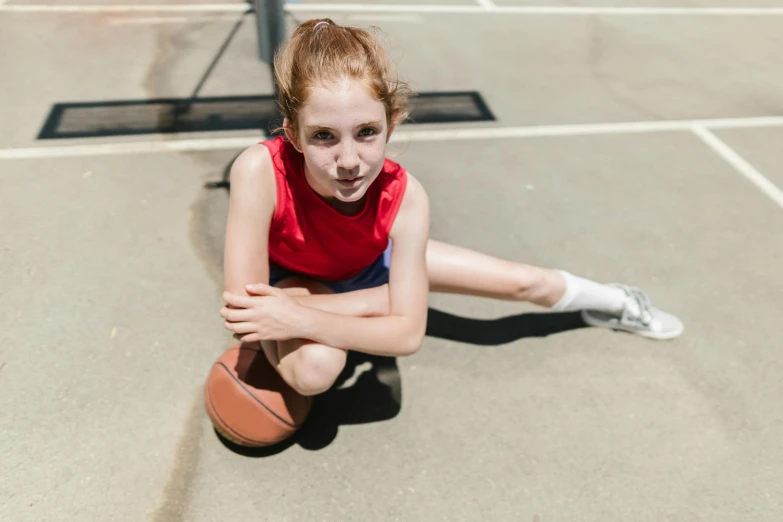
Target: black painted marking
[175, 115]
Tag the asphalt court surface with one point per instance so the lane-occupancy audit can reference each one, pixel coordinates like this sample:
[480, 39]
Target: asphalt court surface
[638, 148]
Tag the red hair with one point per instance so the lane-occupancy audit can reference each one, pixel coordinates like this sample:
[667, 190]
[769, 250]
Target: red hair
[321, 51]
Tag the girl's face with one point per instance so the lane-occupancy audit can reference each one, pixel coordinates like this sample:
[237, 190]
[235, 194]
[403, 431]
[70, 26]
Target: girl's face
[342, 133]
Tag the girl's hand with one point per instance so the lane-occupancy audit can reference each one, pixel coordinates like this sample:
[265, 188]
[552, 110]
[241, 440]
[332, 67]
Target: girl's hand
[270, 315]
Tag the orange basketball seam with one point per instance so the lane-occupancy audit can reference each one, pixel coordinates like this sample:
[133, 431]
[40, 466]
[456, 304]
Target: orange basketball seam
[256, 398]
[240, 438]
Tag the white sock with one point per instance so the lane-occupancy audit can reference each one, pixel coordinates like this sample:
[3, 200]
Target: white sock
[583, 294]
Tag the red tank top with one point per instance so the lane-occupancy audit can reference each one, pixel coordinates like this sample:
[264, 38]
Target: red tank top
[310, 237]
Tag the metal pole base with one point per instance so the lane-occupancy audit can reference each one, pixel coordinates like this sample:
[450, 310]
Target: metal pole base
[270, 18]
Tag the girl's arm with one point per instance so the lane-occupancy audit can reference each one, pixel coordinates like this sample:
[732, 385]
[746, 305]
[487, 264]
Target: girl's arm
[251, 205]
[371, 302]
[402, 330]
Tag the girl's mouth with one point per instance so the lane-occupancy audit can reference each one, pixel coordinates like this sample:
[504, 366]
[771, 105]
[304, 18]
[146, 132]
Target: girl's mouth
[349, 183]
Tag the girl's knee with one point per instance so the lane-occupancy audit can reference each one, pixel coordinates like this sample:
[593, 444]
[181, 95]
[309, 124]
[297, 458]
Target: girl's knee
[315, 368]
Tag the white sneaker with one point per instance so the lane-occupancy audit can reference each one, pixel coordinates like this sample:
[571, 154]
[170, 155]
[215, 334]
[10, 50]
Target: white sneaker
[639, 316]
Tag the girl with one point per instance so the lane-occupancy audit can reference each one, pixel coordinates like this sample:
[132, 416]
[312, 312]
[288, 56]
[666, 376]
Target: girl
[315, 215]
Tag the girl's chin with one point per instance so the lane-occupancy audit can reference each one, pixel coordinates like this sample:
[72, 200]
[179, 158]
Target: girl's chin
[350, 195]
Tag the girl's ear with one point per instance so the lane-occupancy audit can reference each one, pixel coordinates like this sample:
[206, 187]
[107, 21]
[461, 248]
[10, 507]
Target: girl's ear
[290, 133]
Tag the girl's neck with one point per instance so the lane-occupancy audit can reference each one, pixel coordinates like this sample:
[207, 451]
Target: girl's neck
[349, 208]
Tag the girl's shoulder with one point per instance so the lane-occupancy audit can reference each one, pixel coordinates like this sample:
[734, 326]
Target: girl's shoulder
[253, 174]
[256, 161]
[270, 162]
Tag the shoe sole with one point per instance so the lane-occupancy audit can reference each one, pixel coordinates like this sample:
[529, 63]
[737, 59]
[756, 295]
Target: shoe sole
[659, 336]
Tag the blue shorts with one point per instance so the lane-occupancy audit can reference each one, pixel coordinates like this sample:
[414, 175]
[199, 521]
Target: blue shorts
[377, 274]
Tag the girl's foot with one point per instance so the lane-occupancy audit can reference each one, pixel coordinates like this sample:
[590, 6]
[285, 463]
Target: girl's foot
[638, 316]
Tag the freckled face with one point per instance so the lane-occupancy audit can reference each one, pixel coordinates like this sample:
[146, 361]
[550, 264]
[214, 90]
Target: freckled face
[342, 133]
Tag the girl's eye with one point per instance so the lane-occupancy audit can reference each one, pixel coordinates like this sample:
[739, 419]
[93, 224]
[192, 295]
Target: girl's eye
[367, 131]
[322, 135]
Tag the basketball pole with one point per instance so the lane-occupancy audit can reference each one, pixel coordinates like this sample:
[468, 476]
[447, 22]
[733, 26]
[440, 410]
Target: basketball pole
[270, 21]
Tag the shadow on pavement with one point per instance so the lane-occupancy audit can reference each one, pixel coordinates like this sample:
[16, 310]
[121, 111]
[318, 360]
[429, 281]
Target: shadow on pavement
[370, 389]
[494, 332]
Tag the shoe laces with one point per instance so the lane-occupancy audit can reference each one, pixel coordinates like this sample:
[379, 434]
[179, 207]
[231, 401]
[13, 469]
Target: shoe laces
[643, 311]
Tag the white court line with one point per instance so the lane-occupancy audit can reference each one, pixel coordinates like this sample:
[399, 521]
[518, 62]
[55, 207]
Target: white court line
[396, 8]
[103, 149]
[142, 8]
[486, 4]
[402, 135]
[156, 20]
[380, 17]
[582, 129]
[739, 163]
[538, 10]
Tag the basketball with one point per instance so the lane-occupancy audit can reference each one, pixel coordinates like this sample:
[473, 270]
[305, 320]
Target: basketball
[249, 403]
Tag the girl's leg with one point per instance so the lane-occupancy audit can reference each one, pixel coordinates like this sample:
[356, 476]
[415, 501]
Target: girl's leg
[309, 368]
[457, 270]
